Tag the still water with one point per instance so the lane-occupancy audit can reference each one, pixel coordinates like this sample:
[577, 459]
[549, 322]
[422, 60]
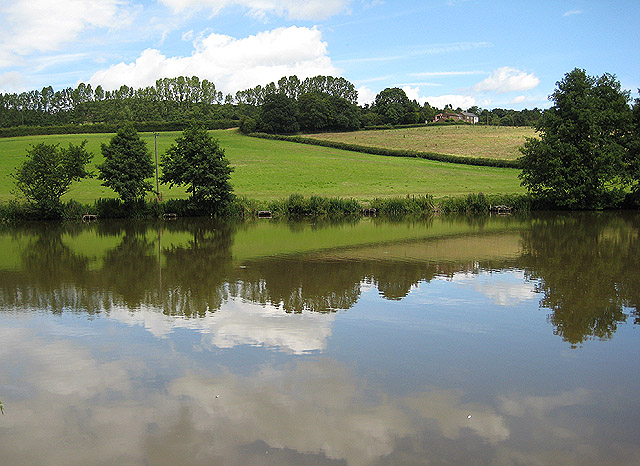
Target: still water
[499, 340]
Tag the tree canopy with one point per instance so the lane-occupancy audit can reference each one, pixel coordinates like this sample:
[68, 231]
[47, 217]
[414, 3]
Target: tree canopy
[582, 158]
[197, 161]
[127, 165]
[48, 173]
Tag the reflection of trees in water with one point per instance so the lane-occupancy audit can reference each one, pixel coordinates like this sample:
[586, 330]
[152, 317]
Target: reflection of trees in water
[300, 283]
[194, 279]
[53, 277]
[297, 284]
[46, 259]
[588, 267]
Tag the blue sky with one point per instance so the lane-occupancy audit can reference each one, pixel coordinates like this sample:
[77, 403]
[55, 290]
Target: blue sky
[490, 53]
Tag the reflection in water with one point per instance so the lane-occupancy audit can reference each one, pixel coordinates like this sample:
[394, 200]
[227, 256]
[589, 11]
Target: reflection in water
[588, 270]
[585, 265]
[358, 344]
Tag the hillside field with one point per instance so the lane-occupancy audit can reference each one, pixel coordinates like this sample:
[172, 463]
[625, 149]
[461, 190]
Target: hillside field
[493, 142]
[266, 169]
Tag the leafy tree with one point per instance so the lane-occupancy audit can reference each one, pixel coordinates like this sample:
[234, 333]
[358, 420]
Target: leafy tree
[314, 114]
[127, 165]
[279, 114]
[393, 105]
[580, 160]
[48, 172]
[633, 157]
[198, 161]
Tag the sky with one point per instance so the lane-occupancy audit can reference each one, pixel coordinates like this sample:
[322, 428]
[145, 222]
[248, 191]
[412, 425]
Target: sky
[489, 53]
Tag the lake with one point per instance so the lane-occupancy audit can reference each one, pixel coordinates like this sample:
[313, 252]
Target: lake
[494, 340]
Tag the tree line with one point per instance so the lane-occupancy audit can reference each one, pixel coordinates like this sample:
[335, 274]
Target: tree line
[318, 103]
[195, 161]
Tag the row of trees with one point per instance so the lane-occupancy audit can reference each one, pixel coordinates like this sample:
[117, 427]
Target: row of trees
[196, 161]
[324, 102]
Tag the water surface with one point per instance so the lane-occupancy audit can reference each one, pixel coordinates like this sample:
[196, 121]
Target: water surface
[498, 340]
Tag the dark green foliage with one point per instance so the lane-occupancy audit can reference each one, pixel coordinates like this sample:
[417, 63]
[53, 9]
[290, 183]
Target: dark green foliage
[319, 112]
[475, 161]
[127, 165]
[581, 160]
[248, 125]
[402, 206]
[394, 107]
[633, 156]
[479, 204]
[47, 175]
[197, 161]
[142, 126]
[314, 113]
[279, 114]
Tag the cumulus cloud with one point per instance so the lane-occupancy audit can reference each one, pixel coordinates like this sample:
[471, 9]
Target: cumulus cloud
[507, 79]
[519, 99]
[12, 81]
[293, 9]
[39, 25]
[233, 64]
[366, 95]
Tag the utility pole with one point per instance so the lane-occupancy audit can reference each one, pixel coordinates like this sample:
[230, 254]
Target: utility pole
[155, 141]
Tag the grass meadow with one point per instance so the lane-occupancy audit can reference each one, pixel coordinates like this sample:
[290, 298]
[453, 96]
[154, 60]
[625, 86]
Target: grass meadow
[266, 170]
[493, 142]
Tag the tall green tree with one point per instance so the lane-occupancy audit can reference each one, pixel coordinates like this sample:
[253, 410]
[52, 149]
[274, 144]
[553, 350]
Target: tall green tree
[198, 162]
[48, 173]
[580, 160]
[127, 165]
[279, 114]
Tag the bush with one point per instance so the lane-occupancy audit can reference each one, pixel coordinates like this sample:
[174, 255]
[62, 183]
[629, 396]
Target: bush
[13, 211]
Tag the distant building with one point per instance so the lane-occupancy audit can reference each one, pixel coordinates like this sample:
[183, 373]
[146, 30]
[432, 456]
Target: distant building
[470, 117]
[467, 117]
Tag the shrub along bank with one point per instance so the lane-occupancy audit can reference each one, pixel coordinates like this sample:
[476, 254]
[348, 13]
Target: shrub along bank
[295, 206]
[476, 161]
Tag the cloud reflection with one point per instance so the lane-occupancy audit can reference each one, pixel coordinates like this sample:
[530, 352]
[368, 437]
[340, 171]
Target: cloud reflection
[239, 322]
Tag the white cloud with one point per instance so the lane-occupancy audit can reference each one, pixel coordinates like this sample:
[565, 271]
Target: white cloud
[507, 79]
[519, 99]
[572, 13]
[293, 9]
[232, 64]
[366, 95]
[12, 81]
[413, 93]
[40, 25]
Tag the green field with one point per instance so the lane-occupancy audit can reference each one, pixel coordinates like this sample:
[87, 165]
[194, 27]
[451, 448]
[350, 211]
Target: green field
[266, 169]
[493, 142]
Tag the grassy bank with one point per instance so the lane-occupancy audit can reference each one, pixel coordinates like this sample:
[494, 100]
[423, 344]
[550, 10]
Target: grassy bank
[296, 206]
[268, 170]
